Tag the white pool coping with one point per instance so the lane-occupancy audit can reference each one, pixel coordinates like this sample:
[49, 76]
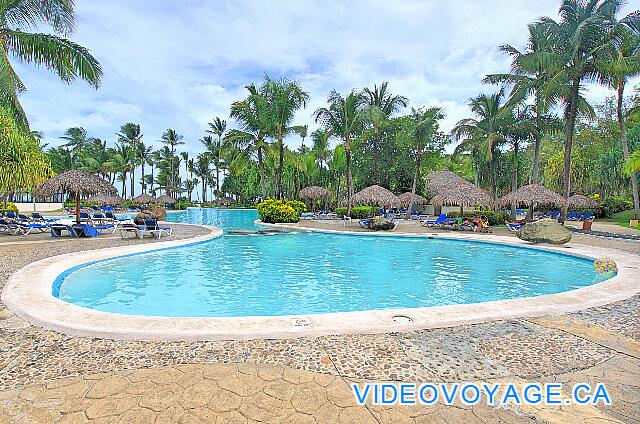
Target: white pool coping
[28, 293]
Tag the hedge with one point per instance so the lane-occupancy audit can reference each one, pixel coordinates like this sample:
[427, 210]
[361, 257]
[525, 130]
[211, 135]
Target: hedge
[274, 211]
[495, 218]
[358, 212]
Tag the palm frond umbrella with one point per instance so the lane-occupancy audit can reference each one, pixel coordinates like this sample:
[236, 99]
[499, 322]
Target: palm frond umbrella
[580, 201]
[165, 200]
[462, 194]
[105, 200]
[440, 182]
[314, 193]
[532, 194]
[143, 199]
[375, 195]
[405, 199]
[77, 183]
[227, 201]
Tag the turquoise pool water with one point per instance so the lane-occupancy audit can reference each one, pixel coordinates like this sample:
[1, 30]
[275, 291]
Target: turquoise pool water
[307, 273]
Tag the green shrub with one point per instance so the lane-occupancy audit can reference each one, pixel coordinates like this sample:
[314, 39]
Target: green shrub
[358, 212]
[11, 207]
[274, 211]
[181, 204]
[494, 218]
[612, 205]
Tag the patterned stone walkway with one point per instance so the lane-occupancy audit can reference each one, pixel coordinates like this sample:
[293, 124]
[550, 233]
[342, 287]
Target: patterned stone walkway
[50, 377]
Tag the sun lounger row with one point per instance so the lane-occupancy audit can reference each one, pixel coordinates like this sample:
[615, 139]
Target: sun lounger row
[472, 223]
[150, 227]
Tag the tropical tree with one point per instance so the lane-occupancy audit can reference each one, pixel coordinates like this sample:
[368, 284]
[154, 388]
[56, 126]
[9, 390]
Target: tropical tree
[144, 153]
[131, 136]
[217, 127]
[320, 149]
[172, 139]
[343, 118]
[419, 135]
[22, 163]
[483, 132]
[586, 35]
[282, 99]
[252, 115]
[201, 169]
[52, 51]
[615, 74]
[381, 104]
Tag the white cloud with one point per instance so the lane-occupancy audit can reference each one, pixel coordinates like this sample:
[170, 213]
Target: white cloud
[179, 64]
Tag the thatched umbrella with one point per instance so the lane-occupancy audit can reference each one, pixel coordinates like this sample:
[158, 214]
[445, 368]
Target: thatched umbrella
[405, 199]
[143, 199]
[375, 195]
[227, 201]
[462, 194]
[314, 193]
[532, 194]
[165, 200]
[580, 201]
[105, 199]
[441, 182]
[79, 183]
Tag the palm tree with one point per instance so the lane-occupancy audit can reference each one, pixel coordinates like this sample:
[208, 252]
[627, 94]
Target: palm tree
[201, 169]
[76, 138]
[320, 148]
[145, 154]
[484, 131]
[154, 159]
[303, 131]
[131, 135]
[586, 37]
[52, 51]
[529, 77]
[616, 74]
[381, 105]
[343, 118]
[419, 136]
[283, 99]
[217, 127]
[172, 139]
[252, 116]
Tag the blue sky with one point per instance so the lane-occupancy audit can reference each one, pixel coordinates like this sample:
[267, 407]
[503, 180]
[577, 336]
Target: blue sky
[177, 65]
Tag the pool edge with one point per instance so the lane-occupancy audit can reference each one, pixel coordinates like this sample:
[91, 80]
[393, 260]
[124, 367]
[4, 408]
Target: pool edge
[28, 294]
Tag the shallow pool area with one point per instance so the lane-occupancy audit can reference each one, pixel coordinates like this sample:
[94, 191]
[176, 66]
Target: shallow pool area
[309, 273]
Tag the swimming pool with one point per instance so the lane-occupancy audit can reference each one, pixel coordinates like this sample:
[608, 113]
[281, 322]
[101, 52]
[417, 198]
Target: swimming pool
[307, 273]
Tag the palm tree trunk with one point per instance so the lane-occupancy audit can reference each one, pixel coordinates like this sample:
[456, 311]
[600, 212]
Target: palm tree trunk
[376, 173]
[413, 187]
[514, 180]
[280, 165]
[261, 166]
[152, 181]
[144, 183]
[133, 181]
[566, 177]
[124, 186]
[347, 151]
[625, 149]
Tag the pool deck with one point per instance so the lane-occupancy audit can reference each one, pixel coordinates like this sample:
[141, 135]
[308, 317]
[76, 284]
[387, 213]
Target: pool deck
[48, 376]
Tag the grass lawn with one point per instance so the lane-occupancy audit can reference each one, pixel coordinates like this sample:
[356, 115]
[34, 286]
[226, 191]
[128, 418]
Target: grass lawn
[622, 218]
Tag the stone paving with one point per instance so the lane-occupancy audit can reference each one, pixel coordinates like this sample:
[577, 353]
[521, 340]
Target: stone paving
[47, 376]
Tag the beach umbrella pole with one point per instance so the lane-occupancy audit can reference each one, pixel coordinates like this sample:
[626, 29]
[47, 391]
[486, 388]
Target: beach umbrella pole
[77, 208]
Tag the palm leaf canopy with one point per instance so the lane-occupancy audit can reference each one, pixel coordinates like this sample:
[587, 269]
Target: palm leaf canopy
[164, 200]
[375, 195]
[76, 182]
[105, 199]
[462, 194]
[143, 199]
[314, 193]
[405, 199]
[580, 201]
[532, 193]
[440, 182]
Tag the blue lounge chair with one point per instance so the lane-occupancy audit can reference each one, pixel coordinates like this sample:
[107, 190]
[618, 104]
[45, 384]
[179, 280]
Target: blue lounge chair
[25, 228]
[514, 226]
[58, 229]
[440, 222]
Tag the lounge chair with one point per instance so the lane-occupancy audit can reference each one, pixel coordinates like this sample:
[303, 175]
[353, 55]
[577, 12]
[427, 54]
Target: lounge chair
[440, 222]
[26, 228]
[57, 229]
[112, 216]
[514, 226]
[364, 223]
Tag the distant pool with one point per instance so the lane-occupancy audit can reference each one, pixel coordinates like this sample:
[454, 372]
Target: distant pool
[306, 273]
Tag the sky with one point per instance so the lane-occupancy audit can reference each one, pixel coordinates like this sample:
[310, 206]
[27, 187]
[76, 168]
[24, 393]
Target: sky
[171, 64]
